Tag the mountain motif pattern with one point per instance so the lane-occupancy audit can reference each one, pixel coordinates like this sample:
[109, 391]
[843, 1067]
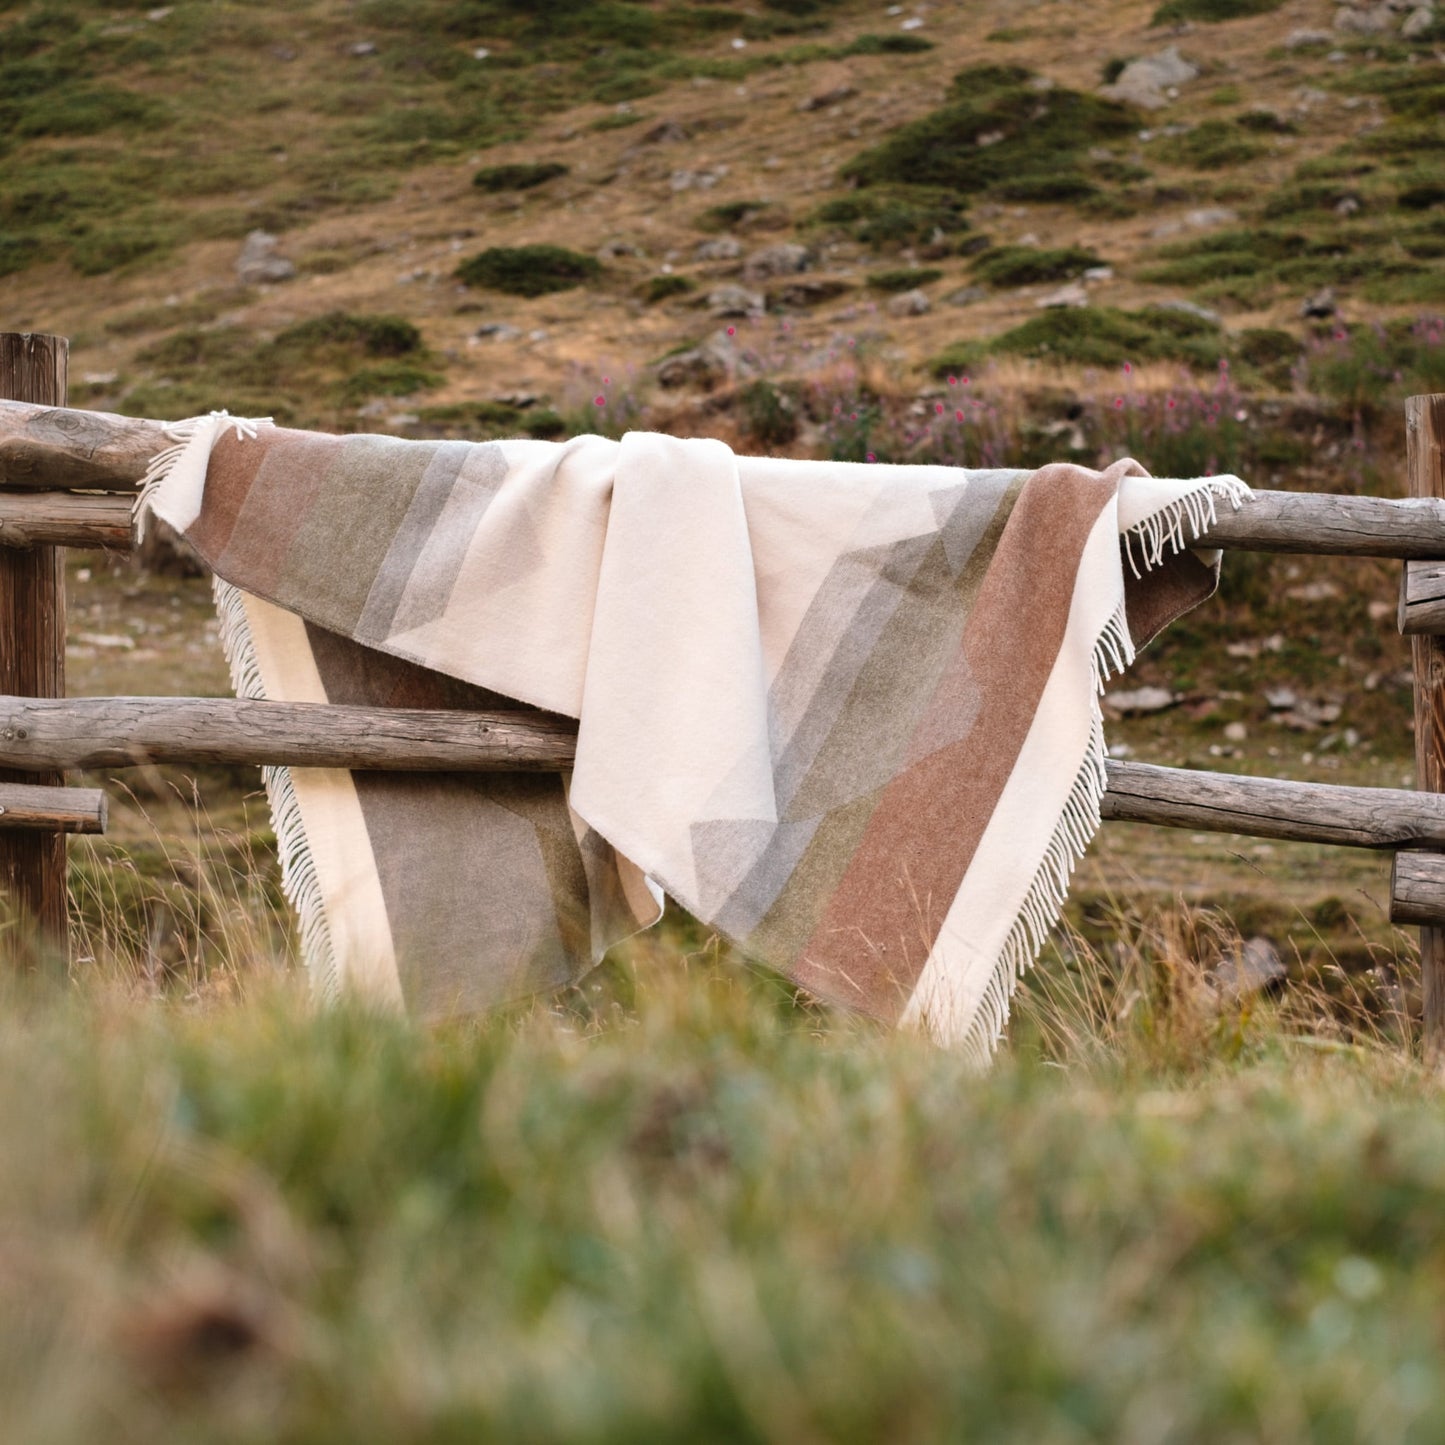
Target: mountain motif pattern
[846, 715]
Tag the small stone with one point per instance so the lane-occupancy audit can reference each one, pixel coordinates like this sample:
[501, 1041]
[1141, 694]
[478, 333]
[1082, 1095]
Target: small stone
[1347, 205]
[1206, 216]
[1417, 22]
[822, 101]
[1374, 21]
[1141, 700]
[1146, 82]
[720, 248]
[260, 262]
[910, 303]
[1280, 698]
[1257, 968]
[1299, 39]
[362, 48]
[735, 301]
[966, 295]
[800, 292]
[1313, 592]
[1320, 306]
[785, 259]
[1071, 293]
[1236, 732]
[1190, 308]
[1099, 273]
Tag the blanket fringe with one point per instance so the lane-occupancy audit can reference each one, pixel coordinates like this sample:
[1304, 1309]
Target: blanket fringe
[1159, 534]
[183, 435]
[299, 880]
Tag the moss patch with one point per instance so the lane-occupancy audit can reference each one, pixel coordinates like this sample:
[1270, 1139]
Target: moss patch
[1028, 265]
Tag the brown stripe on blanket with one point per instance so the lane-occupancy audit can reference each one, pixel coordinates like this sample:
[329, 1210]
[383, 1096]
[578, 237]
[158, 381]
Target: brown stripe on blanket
[880, 924]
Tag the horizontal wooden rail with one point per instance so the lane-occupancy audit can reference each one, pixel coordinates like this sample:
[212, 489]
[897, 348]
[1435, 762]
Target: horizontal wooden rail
[1274, 808]
[65, 519]
[117, 732]
[1329, 525]
[43, 448]
[50, 448]
[1422, 599]
[55, 810]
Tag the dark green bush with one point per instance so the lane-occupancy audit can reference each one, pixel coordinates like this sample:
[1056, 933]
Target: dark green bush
[905, 278]
[1422, 198]
[997, 129]
[518, 176]
[372, 335]
[661, 288]
[1029, 266]
[1266, 122]
[528, 270]
[1211, 145]
[1211, 11]
[889, 45]
[1098, 336]
[769, 413]
[884, 217]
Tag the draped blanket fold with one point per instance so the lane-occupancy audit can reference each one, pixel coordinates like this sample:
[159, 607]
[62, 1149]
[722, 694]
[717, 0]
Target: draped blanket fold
[847, 715]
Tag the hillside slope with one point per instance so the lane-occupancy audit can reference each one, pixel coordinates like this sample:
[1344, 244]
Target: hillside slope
[961, 154]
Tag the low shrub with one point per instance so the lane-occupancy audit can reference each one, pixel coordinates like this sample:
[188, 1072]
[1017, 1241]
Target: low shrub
[905, 278]
[1370, 368]
[1097, 336]
[518, 176]
[997, 129]
[1211, 11]
[769, 413]
[889, 217]
[528, 270]
[1028, 265]
[889, 45]
[663, 288]
[1211, 145]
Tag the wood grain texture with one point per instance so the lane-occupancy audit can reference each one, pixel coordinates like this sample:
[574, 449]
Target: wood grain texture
[45, 446]
[1417, 889]
[1425, 470]
[63, 810]
[1273, 808]
[1329, 525]
[117, 732]
[1422, 599]
[32, 650]
[66, 519]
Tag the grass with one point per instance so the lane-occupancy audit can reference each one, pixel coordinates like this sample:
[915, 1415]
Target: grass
[528, 270]
[316, 372]
[676, 1206]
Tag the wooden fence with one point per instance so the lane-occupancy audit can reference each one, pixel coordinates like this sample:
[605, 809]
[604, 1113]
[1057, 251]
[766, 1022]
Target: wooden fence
[68, 479]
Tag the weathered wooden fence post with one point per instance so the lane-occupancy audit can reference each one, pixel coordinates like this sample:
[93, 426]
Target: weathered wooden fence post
[1425, 464]
[32, 649]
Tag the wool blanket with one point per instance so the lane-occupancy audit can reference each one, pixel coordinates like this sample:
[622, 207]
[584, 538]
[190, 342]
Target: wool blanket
[847, 715]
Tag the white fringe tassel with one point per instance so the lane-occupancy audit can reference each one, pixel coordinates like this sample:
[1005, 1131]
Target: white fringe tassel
[299, 880]
[196, 431]
[1159, 534]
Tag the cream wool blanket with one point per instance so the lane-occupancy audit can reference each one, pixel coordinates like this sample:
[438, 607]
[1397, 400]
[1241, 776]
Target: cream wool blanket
[847, 715]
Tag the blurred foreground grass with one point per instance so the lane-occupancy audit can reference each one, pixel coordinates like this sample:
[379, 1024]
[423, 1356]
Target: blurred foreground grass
[677, 1205]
